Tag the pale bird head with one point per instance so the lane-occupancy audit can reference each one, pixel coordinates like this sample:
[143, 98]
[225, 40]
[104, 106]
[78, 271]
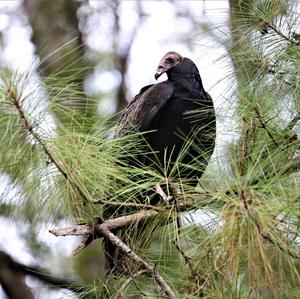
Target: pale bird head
[168, 61]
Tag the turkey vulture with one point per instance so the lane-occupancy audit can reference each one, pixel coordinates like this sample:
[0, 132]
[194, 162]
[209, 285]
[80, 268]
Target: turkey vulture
[178, 115]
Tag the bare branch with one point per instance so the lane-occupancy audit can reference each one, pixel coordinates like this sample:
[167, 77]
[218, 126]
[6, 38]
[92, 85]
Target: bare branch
[123, 221]
[120, 294]
[119, 222]
[131, 254]
[77, 230]
[129, 204]
[162, 194]
[104, 230]
[111, 224]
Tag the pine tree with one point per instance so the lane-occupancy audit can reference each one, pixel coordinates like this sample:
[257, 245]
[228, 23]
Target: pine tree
[245, 243]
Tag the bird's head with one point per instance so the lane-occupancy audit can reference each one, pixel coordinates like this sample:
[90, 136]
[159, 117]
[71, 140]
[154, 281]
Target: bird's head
[167, 62]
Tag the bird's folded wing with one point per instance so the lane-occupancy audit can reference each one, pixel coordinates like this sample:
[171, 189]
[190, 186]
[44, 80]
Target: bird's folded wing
[143, 108]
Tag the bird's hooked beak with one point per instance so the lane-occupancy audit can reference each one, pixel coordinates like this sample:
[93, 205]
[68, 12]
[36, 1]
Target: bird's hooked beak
[159, 71]
[163, 66]
[168, 61]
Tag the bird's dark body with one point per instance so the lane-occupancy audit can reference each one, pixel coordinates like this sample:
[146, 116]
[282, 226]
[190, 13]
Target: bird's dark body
[175, 124]
[175, 112]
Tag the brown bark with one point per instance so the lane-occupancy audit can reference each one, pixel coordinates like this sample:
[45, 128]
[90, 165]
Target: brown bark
[104, 230]
[12, 279]
[54, 24]
[59, 45]
[13, 273]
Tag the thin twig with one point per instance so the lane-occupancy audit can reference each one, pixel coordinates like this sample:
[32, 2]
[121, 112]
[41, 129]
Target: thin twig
[283, 247]
[245, 199]
[264, 126]
[186, 206]
[120, 294]
[88, 239]
[174, 193]
[293, 122]
[131, 254]
[294, 42]
[292, 166]
[186, 258]
[128, 204]
[279, 75]
[162, 194]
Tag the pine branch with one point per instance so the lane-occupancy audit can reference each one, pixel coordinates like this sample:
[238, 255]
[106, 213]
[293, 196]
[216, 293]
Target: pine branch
[162, 194]
[122, 221]
[279, 75]
[111, 224]
[292, 166]
[128, 204]
[120, 294]
[264, 125]
[16, 100]
[278, 32]
[131, 254]
[283, 247]
[104, 230]
[186, 258]
[188, 205]
[25, 122]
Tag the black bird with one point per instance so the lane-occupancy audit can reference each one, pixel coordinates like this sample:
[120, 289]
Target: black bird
[179, 115]
[175, 111]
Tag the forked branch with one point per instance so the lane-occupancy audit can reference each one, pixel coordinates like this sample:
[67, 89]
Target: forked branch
[131, 254]
[104, 230]
[111, 224]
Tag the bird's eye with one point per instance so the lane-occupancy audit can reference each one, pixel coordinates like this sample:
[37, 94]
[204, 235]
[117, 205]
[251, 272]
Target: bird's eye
[170, 60]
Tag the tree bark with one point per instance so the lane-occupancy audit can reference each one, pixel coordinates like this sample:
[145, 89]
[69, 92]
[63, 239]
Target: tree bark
[12, 279]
